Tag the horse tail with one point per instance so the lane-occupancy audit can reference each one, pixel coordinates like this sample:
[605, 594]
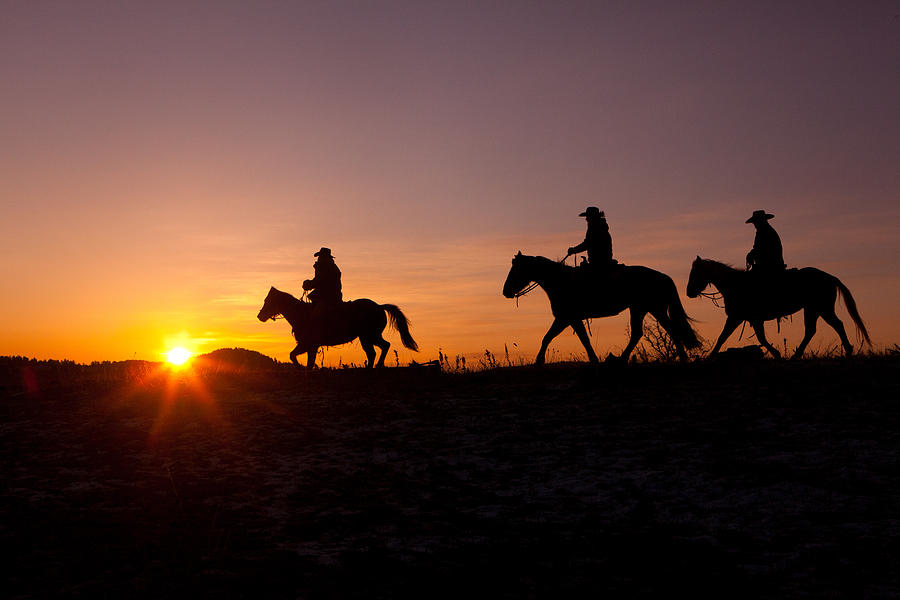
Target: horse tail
[681, 322]
[401, 324]
[850, 303]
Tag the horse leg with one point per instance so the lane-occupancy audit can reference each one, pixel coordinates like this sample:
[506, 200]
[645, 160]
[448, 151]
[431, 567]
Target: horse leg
[580, 331]
[311, 354]
[294, 353]
[760, 330]
[838, 325]
[637, 330]
[555, 329]
[369, 349]
[731, 324]
[809, 330]
[384, 345]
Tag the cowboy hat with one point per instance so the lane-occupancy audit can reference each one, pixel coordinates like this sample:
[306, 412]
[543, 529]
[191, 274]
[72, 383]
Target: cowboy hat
[592, 211]
[324, 252]
[759, 215]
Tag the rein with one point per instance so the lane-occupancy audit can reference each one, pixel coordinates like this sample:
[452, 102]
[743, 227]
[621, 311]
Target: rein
[523, 292]
[714, 296]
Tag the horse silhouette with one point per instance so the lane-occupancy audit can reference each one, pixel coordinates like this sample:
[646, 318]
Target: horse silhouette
[749, 297]
[314, 327]
[578, 293]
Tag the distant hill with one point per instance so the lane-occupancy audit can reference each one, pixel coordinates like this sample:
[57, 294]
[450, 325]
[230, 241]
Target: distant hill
[237, 359]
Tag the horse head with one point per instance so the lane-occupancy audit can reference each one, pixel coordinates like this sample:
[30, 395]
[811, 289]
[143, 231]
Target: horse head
[698, 279]
[517, 278]
[271, 307]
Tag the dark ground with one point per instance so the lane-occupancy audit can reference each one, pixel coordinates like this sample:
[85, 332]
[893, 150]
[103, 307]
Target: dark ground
[760, 479]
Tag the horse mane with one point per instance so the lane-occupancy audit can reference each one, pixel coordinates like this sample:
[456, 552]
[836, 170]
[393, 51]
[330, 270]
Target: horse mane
[290, 298]
[724, 265]
[542, 259]
[547, 262]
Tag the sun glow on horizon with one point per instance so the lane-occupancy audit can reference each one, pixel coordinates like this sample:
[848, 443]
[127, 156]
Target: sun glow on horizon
[178, 356]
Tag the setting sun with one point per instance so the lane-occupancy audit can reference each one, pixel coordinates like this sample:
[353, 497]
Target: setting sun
[178, 356]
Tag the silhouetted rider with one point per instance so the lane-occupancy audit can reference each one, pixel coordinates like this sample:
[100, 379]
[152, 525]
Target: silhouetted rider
[326, 285]
[766, 255]
[597, 240]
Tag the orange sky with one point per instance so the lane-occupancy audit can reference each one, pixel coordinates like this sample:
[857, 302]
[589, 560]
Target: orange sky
[163, 165]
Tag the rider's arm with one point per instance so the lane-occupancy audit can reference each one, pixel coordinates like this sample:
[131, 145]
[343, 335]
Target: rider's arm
[579, 248]
[751, 258]
[313, 283]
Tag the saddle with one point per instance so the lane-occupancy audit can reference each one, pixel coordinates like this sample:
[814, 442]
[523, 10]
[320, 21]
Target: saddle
[769, 287]
[327, 319]
[325, 310]
[600, 276]
[766, 279]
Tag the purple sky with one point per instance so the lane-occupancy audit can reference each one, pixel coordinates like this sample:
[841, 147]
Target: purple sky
[163, 163]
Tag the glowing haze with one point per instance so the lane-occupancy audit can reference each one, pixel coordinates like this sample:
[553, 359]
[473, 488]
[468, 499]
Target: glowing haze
[162, 164]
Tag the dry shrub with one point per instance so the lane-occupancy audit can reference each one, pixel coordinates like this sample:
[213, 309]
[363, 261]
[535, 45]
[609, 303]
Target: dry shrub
[658, 346]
